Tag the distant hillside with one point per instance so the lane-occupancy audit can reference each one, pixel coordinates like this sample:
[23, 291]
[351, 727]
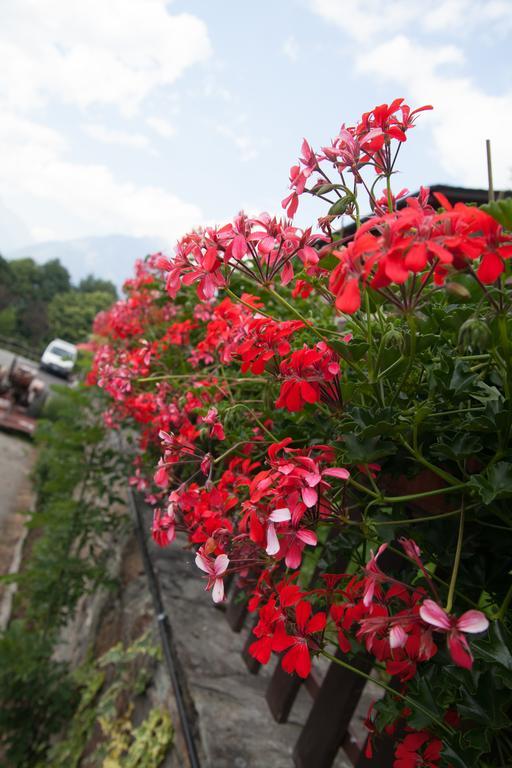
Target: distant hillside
[111, 257]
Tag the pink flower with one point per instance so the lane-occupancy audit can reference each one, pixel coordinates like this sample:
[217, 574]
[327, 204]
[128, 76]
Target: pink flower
[374, 576]
[216, 571]
[163, 529]
[469, 622]
[277, 516]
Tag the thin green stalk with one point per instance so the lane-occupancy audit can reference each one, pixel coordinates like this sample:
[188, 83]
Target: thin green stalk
[446, 476]
[389, 194]
[456, 562]
[389, 689]
[363, 488]
[296, 312]
[410, 358]
[423, 494]
[413, 520]
[178, 376]
[256, 419]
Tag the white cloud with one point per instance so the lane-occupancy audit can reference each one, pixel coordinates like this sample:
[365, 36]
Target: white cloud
[121, 138]
[97, 52]
[89, 199]
[89, 56]
[464, 115]
[163, 127]
[374, 20]
[244, 143]
[291, 48]
[429, 71]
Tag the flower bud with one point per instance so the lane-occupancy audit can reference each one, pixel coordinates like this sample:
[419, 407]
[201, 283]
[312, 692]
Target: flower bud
[394, 338]
[474, 335]
[458, 290]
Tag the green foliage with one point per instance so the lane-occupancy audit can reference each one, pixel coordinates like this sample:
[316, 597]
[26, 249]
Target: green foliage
[91, 284]
[36, 694]
[71, 314]
[108, 688]
[37, 300]
[75, 478]
[8, 321]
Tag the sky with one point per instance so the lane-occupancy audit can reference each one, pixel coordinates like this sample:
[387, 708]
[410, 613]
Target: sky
[146, 118]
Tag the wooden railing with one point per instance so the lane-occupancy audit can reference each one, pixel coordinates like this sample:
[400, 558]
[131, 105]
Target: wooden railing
[335, 697]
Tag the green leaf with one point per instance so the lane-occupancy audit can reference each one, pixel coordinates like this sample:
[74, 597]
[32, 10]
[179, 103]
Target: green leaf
[328, 262]
[462, 380]
[495, 647]
[496, 483]
[487, 707]
[501, 210]
[363, 451]
[351, 351]
[460, 447]
[424, 696]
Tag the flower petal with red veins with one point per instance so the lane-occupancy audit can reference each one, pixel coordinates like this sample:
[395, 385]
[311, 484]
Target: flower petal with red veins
[309, 496]
[308, 537]
[280, 515]
[308, 392]
[459, 650]
[433, 614]
[340, 472]
[416, 259]
[261, 650]
[349, 299]
[472, 621]
[218, 591]
[490, 268]
[316, 623]
[297, 660]
[273, 546]
[302, 613]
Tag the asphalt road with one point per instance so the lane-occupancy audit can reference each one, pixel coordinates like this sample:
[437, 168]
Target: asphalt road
[6, 359]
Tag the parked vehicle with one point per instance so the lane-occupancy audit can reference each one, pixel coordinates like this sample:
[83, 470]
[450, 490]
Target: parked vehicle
[22, 397]
[59, 357]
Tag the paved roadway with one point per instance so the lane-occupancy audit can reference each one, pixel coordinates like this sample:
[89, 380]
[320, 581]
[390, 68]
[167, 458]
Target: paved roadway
[6, 359]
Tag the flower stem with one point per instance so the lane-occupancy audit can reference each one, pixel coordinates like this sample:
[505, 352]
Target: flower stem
[389, 689]
[456, 562]
[291, 308]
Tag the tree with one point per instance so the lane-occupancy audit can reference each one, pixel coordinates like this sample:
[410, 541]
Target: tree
[91, 284]
[71, 314]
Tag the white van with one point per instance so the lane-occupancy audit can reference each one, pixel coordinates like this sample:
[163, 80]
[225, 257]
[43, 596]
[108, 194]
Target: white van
[59, 357]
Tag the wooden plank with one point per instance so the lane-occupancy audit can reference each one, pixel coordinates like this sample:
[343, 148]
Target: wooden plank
[236, 609]
[383, 753]
[330, 715]
[283, 689]
[281, 692]
[250, 662]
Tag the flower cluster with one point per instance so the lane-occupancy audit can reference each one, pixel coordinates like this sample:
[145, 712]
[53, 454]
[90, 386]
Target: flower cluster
[284, 416]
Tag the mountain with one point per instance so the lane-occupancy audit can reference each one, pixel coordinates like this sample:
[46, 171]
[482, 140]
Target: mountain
[111, 257]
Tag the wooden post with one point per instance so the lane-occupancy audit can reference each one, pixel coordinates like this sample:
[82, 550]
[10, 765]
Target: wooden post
[250, 662]
[281, 693]
[330, 715]
[236, 610]
[383, 753]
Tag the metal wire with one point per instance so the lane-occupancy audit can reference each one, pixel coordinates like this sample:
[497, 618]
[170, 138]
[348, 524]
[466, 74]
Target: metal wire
[164, 630]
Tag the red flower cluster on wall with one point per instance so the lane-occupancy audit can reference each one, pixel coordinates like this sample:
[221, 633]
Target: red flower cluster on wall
[226, 357]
